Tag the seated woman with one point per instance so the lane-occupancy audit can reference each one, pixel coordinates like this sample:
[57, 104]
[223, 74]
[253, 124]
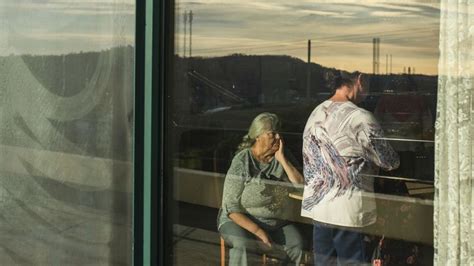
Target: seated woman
[255, 197]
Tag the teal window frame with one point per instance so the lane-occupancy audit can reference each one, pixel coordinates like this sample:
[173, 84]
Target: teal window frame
[153, 51]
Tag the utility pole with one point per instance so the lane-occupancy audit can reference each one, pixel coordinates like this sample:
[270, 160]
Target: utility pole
[185, 25]
[374, 44]
[190, 33]
[386, 64]
[391, 64]
[308, 76]
[376, 56]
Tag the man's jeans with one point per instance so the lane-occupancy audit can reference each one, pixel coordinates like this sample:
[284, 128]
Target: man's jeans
[336, 245]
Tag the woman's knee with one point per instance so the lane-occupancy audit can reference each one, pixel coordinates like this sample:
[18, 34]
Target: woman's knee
[235, 236]
[240, 242]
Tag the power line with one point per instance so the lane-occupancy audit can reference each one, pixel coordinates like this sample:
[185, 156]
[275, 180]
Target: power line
[250, 46]
[362, 36]
[318, 44]
[342, 38]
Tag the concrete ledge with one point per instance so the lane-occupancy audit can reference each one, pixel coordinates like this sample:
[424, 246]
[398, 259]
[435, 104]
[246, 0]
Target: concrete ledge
[414, 221]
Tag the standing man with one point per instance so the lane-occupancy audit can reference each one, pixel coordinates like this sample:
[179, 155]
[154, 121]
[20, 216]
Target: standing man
[342, 148]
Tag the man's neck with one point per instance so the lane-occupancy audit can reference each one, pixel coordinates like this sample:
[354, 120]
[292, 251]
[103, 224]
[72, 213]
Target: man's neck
[342, 95]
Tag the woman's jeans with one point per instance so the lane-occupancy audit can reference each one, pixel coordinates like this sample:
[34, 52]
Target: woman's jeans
[286, 240]
[336, 245]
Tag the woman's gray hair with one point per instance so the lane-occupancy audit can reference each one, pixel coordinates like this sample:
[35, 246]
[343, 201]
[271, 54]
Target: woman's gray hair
[259, 125]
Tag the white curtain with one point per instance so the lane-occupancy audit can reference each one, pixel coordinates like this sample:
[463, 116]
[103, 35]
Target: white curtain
[454, 162]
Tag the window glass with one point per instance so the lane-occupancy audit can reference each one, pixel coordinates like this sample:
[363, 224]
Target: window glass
[66, 115]
[234, 60]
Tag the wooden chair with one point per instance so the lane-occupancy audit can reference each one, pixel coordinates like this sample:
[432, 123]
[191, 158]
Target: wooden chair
[222, 252]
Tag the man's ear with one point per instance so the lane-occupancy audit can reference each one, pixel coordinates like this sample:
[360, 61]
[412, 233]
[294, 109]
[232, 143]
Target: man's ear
[359, 79]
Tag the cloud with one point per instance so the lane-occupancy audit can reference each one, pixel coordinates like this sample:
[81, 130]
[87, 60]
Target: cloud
[95, 37]
[51, 27]
[266, 6]
[341, 27]
[75, 8]
[328, 13]
[392, 14]
[336, 28]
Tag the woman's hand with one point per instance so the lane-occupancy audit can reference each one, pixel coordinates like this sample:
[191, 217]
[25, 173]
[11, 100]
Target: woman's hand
[243, 221]
[293, 174]
[280, 154]
[260, 233]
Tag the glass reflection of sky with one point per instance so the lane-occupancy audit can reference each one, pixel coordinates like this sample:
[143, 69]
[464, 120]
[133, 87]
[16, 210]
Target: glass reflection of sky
[63, 26]
[341, 31]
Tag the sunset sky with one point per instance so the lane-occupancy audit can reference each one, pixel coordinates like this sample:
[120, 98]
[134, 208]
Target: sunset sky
[341, 31]
[64, 26]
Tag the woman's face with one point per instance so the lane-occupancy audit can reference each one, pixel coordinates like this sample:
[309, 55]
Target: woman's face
[268, 141]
